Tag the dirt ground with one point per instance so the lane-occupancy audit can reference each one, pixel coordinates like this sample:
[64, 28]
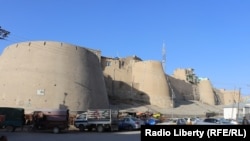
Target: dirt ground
[181, 109]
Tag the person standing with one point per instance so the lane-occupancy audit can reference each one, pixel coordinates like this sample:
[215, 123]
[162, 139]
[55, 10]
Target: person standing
[245, 121]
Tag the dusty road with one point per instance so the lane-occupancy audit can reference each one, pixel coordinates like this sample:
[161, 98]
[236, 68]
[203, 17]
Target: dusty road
[72, 136]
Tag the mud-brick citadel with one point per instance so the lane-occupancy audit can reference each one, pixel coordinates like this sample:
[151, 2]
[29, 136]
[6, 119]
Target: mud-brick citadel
[48, 74]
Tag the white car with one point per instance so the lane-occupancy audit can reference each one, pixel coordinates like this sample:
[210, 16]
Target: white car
[215, 121]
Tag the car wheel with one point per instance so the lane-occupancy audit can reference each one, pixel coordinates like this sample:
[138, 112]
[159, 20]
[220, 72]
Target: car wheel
[56, 130]
[81, 127]
[111, 129]
[130, 128]
[10, 128]
[100, 128]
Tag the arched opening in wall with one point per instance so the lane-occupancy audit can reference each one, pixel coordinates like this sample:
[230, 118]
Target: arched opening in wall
[122, 63]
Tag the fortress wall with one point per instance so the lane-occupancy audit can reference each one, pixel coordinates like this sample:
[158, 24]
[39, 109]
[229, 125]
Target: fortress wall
[117, 78]
[220, 96]
[151, 80]
[180, 74]
[230, 96]
[67, 74]
[206, 92]
[182, 89]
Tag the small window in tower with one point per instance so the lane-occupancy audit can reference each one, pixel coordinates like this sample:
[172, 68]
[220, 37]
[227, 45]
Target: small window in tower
[108, 63]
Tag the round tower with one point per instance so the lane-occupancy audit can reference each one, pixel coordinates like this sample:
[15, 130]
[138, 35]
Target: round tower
[151, 80]
[47, 74]
[206, 92]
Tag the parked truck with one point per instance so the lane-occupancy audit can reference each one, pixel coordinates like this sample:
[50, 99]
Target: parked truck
[12, 118]
[55, 120]
[98, 119]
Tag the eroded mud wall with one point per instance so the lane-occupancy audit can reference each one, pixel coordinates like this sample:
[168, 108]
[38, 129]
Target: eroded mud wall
[151, 80]
[46, 74]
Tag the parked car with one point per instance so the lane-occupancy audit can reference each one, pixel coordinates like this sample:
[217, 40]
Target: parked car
[194, 120]
[211, 120]
[151, 121]
[227, 121]
[130, 123]
[240, 120]
[173, 121]
[181, 121]
[216, 121]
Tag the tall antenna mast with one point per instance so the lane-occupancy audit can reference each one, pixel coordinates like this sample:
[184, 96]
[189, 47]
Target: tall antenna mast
[164, 57]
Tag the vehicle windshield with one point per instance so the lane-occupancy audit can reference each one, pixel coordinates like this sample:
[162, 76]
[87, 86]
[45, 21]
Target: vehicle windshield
[134, 119]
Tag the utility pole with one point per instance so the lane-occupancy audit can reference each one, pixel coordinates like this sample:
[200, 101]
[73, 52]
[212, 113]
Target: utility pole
[3, 33]
[238, 106]
[172, 100]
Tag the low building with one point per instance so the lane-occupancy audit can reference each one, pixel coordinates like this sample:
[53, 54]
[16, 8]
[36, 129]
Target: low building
[237, 111]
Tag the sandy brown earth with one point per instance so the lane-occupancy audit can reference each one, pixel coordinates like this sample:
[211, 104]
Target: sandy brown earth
[181, 109]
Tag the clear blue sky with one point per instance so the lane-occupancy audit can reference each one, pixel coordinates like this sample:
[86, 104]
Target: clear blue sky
[210, 36]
